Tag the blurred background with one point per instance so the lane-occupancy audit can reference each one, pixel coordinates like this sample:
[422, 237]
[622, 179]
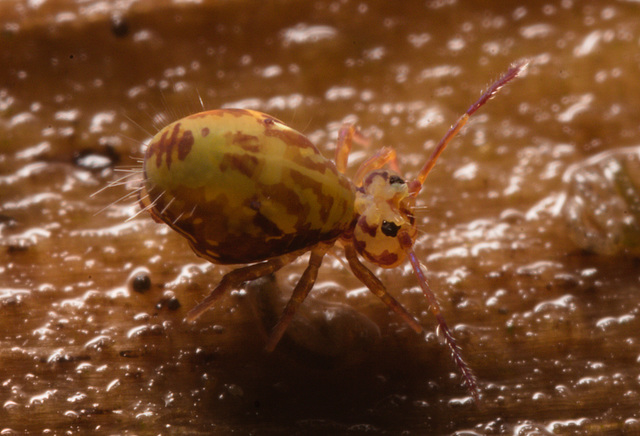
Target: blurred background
[529, 223]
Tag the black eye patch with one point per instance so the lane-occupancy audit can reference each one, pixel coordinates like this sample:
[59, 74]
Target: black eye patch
[389, 228]
[395, 179]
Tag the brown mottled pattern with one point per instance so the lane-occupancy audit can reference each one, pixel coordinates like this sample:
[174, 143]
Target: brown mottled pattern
[220, 113]
[290, 137]
[366, 228]
[380, 200]
[320, 166]
[185, 144]
[374, 174]
[269, 227]
[254, 189]
[324, 202]
[163, 145]
[249, 143]
[282, 194]
[298, 152]
[384, 259]
[244, 163]
[234, 245]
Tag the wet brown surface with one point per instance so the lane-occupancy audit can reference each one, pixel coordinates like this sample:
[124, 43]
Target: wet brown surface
[550, 329]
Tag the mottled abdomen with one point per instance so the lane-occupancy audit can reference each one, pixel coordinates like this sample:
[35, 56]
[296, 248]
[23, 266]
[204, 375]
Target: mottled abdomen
[243, 187]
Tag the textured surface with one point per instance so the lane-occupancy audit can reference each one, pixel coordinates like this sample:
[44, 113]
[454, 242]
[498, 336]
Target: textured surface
[550, 329]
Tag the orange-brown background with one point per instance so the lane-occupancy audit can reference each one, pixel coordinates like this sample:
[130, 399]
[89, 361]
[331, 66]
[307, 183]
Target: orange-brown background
[551, 331]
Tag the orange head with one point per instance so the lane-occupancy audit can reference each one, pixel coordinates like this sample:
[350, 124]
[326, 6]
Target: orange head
[384, 206]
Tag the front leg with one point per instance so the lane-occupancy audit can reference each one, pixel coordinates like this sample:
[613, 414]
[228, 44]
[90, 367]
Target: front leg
[375, 285]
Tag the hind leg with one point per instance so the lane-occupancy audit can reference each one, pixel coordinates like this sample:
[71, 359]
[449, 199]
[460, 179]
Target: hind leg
[235, 278]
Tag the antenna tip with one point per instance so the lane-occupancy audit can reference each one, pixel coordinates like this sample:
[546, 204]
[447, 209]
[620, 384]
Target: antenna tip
[520, 66]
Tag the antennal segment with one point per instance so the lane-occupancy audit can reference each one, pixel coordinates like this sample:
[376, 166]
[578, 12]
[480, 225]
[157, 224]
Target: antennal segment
[467, 374]
[416, 185]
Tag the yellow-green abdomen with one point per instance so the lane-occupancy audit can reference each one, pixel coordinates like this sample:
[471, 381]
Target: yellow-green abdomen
[243, 187]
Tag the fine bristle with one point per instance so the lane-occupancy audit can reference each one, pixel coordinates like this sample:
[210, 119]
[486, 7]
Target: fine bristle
[416, 185]
[469, 378]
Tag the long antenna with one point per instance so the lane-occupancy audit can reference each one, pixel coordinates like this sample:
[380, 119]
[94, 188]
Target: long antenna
[467, 374]
[416, 185]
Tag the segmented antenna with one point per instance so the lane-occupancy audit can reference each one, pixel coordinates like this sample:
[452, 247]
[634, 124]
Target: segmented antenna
[416, 185]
